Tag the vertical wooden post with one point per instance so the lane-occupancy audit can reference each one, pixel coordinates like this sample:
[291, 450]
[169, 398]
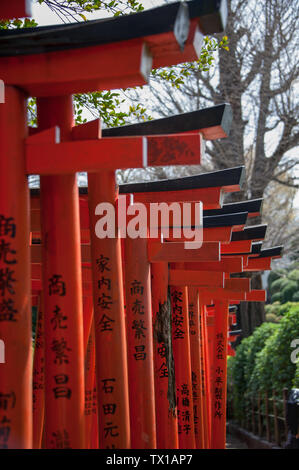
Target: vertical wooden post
[275, 414]
[182, 362]
[268, 429]
[164, 373]
[140, 344]
[220, 378]
[208, 378]
[252, 414]
[89, 387]
[285, 399]
[260, 427]
[39, 377]
[15, 277]
[196, 370]
[110, 333]
[62, 287]
[204, 381]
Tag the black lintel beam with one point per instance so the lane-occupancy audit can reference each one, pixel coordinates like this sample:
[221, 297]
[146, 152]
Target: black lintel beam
[213, 123]
[253, 206]
[226, 220]
[271, 252]
[215, 179]
[254, 232]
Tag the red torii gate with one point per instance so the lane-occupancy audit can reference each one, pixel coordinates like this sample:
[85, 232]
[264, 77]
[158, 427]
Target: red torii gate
[69, 334]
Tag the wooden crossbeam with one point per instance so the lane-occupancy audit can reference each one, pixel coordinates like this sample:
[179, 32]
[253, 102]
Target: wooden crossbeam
[236, 247]
[78, 58]
[184, 277]
[256, 296]
[93, 155]
[258, 264]
[176, 252]
[231, 265]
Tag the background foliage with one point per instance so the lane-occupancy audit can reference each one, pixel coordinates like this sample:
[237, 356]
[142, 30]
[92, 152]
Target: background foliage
[263, 361]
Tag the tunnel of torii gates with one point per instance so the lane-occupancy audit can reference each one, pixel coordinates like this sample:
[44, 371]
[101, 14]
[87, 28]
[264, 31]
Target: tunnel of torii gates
[132, 335]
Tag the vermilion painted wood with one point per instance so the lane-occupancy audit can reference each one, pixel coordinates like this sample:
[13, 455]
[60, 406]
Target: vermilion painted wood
[88, 130]
[39, 378]
[79, 70]
[258, 264]
[166, 412]
[210, 197]
[219, 376]
[36, 250]
[237, 284]
[256, 296]
[196, 369]
[15, 9]
[206, 358]
[89, 369]
[210, 331]
[62, 290]
[200, 279]
[15, 295]
[112, 375]
[70, 71]
[94, 427]
[114, 426]
[208, 295]
[182, 363]
[219, 234]
[176, 252]
[36, 269]
[87, 317]
[140, 344]
[236, 247]
[128, 152]
[165, 49]
[231, 265]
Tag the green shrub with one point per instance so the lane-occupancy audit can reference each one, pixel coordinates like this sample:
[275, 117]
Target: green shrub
[288, 291]
[294, 275]
[273, 308]
[284, 308]
[272, 318]
[284, 285]
[273, 367]
[278, 285]
[276, 297]
[273, 275]
[256, 344]
[239, 381]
